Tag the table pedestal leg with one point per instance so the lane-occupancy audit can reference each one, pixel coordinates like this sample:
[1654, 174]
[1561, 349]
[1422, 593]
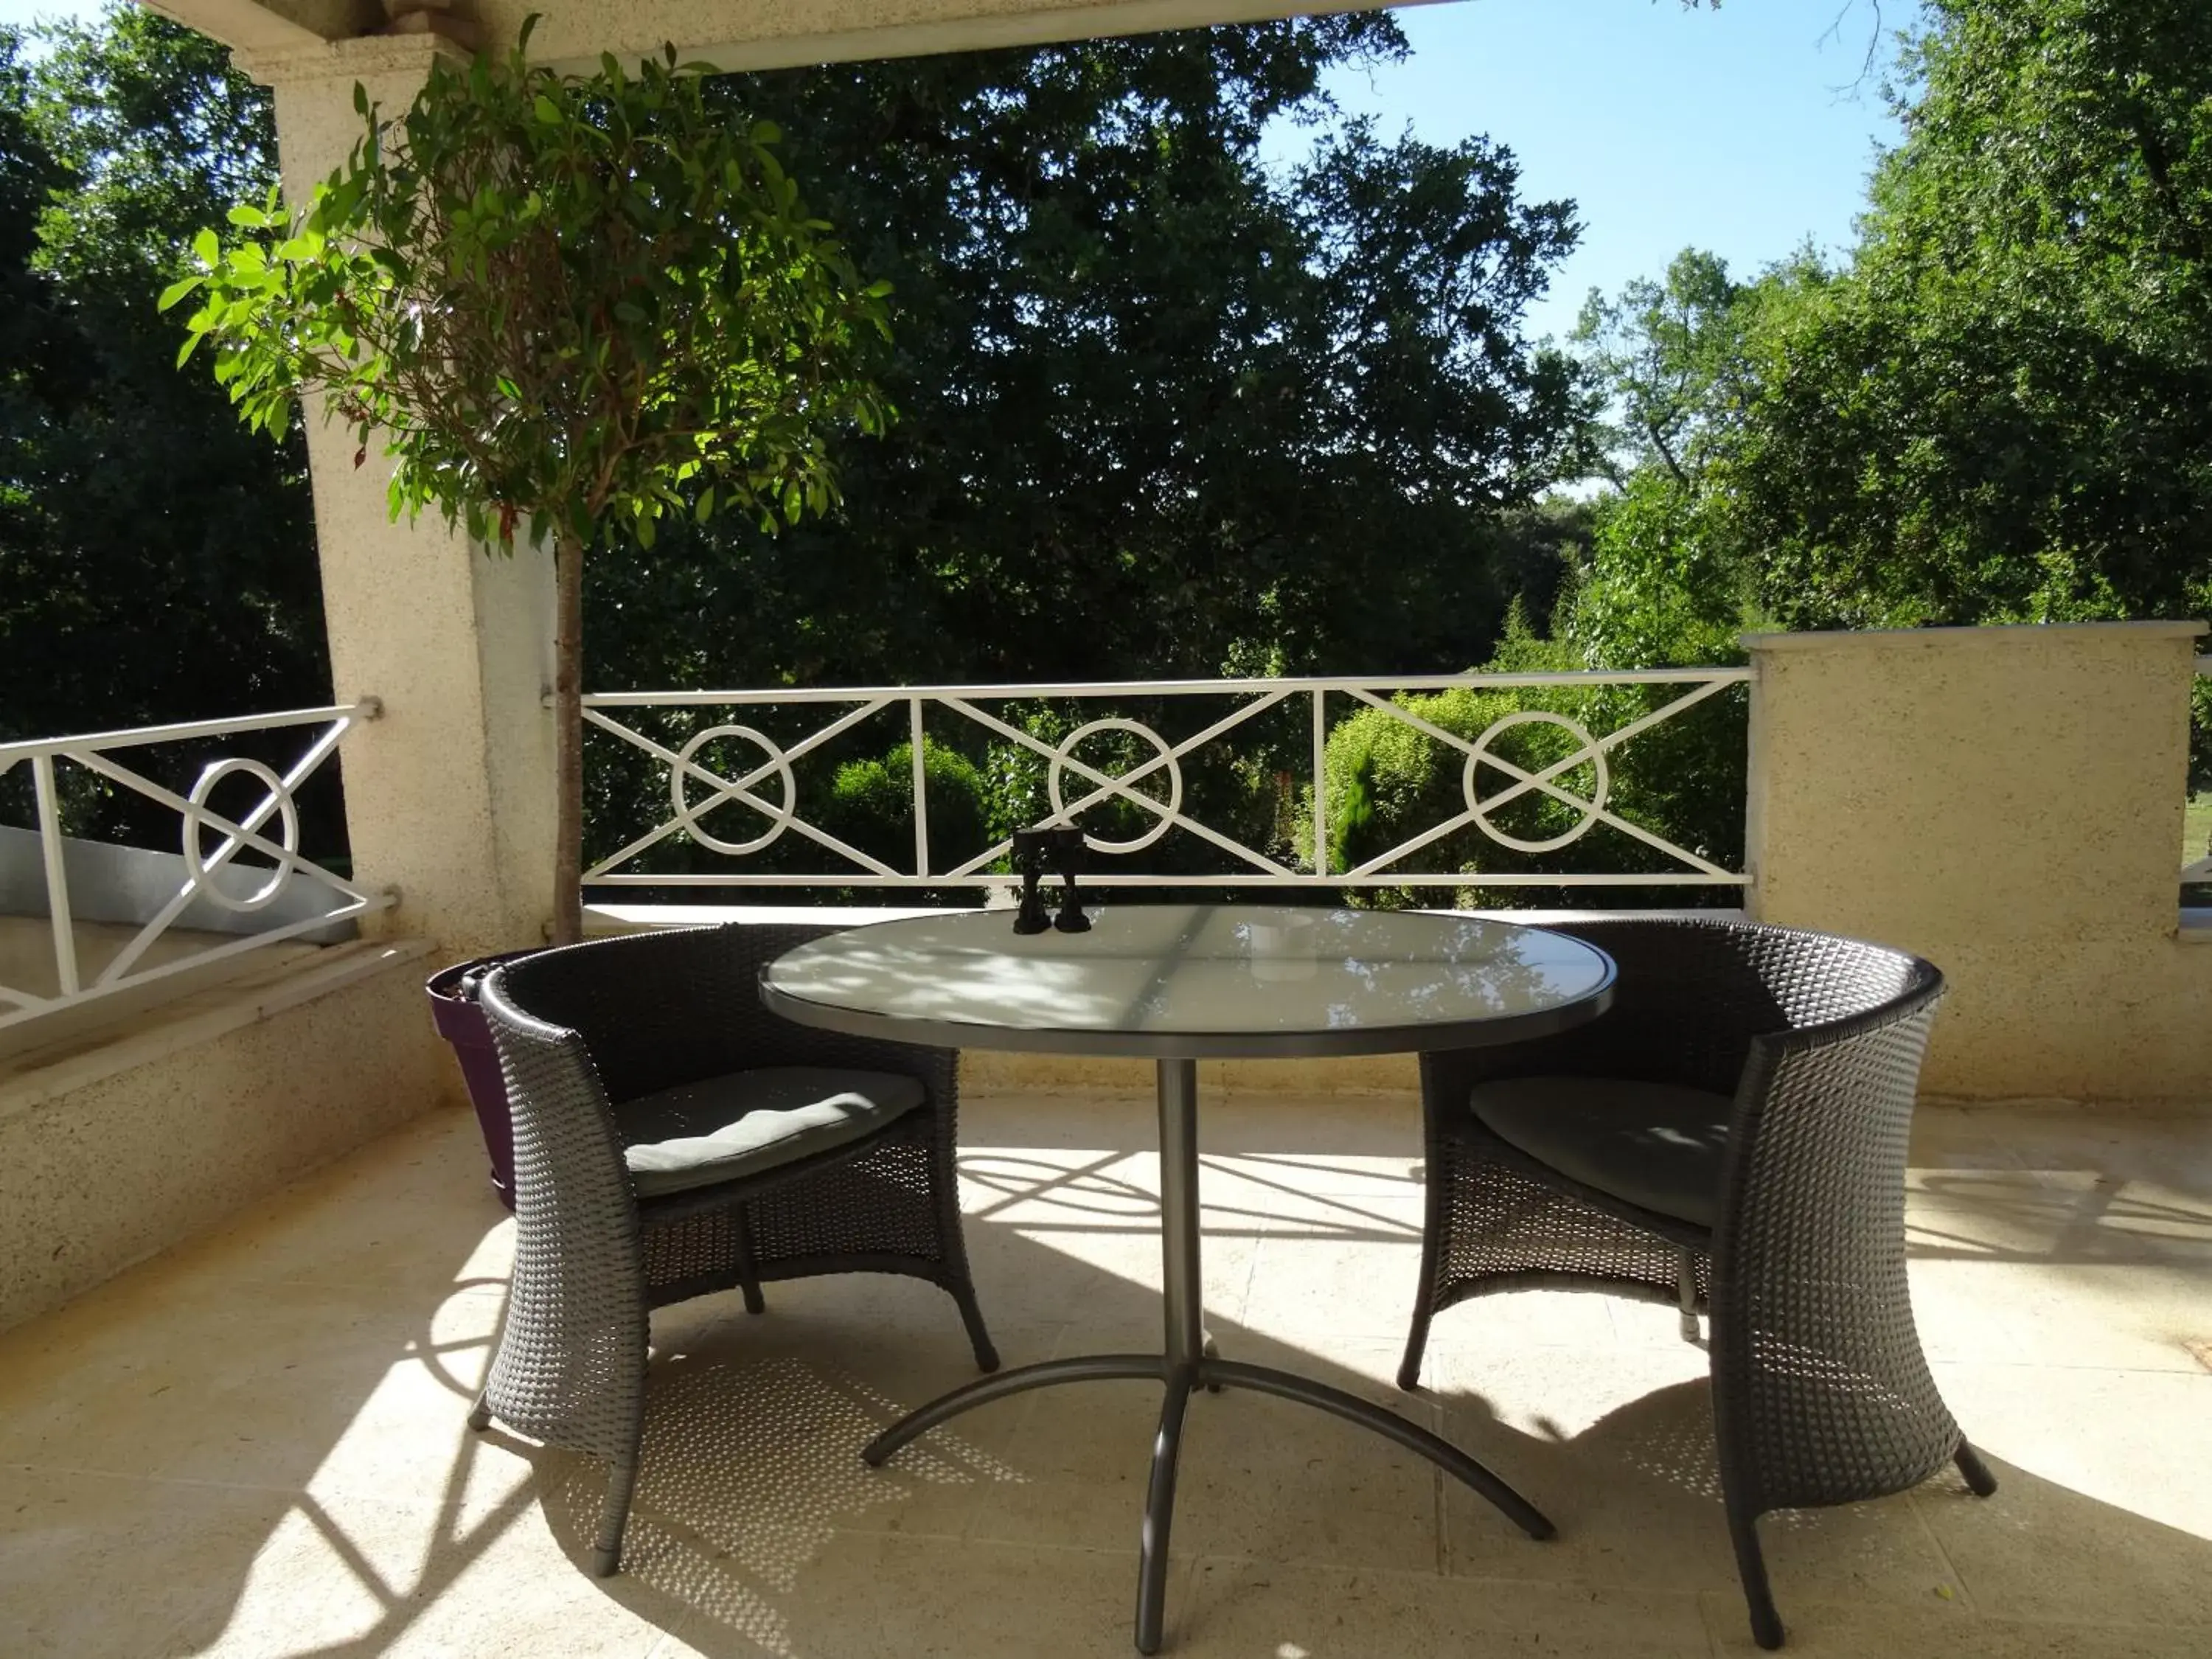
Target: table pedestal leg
[1187, 1363]
[1182, 1307]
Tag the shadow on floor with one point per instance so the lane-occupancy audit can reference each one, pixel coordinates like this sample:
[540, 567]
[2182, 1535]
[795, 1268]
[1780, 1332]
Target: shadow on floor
[307, 1398]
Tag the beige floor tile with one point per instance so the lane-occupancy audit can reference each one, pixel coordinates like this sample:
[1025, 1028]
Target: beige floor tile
[1088, 1120]
[2133, 1144]
[1322, 1293]
[1639, 1324]
[98, 1566]
[1041, 1189]
[1551, 1390]
[844, 1309]
[2103, 1512]
[356, 1574]
[415, 1209]
[875, 1597]
[1106, 1285]
[755, 1455]
[2043, 1218]
[1257, 1476]
[259, 1388]
[1935, 1630]
[1267, 1201]
[1354, 1174]
[1341, 1142]
[1080, 1458]
[304, 1373]
[403, 1431]
[517, 1588]
[2138, 1316]
[1338, 1143]
[750, 1416]
[1624, 1464]
[1276, 1480]
[1465, 1338]
[1258, 1610]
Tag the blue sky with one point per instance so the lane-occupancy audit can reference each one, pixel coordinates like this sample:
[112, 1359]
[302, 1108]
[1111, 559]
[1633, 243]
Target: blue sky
[1737, 131]
[22, 12]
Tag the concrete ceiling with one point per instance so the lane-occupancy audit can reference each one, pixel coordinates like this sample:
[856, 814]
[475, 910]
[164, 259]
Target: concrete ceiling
[731, 33]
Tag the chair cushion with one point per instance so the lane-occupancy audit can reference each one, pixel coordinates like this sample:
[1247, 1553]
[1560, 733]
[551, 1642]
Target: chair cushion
[740, 1124]
[1653, 1144]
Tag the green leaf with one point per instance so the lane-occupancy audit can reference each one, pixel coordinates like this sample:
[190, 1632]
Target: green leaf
[685, 340]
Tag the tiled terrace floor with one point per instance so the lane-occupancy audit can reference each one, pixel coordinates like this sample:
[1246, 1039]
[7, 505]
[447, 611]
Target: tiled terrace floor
[255, 1445]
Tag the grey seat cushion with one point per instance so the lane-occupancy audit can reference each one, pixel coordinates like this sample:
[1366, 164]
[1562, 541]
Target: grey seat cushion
[744, 1122]
[1653, 1144]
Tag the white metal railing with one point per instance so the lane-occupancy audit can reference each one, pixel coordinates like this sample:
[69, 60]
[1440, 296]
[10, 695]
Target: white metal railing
[2198, 869]
[846, 707]
[212, 883]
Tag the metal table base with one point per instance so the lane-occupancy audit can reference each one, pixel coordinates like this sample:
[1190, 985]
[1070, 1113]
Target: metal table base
[1189, 1363]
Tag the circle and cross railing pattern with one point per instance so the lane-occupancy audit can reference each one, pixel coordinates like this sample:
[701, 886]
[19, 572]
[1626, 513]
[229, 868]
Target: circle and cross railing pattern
[1533, 781]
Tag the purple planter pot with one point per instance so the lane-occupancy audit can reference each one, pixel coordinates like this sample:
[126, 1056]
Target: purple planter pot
[453, 1010]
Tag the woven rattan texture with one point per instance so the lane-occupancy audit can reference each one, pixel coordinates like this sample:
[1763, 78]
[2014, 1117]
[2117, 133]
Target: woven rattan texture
[582, 1029]
[1821, 1393]
[1818, 1375]
[570, 1368]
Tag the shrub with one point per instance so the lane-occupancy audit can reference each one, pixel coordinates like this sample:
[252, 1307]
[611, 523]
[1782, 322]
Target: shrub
[870, 806]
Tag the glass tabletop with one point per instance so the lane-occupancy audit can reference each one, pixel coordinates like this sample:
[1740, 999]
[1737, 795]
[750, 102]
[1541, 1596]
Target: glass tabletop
[1196, 980]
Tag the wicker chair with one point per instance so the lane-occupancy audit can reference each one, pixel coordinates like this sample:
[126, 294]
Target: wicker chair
[594, 1041]
[1731, 1137]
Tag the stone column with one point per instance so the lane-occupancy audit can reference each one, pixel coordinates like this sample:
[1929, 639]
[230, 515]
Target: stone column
[450, 795]
[2007, 803]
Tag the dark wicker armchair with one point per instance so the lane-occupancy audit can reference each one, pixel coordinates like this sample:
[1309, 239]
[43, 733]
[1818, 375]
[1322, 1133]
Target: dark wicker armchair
[1730, 1136]
[671, 1138]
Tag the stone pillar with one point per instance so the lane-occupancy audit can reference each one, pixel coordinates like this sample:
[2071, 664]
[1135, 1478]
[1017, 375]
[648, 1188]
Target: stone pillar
[2007, 803]
[450, 796]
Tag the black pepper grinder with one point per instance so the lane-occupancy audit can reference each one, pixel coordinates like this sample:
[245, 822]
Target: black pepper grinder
[1031, 849]
[1067, 859]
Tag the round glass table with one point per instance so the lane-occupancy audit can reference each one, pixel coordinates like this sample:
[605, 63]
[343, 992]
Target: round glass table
[1178, 984]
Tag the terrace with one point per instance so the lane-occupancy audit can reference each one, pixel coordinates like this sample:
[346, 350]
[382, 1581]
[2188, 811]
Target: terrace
[255, 1439]
[255, 1444]
[250, 1271]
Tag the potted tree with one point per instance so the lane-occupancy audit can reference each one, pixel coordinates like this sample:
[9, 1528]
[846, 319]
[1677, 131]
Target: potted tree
[565, 305]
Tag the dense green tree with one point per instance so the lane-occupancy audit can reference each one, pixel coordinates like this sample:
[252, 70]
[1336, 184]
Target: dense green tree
[157, 563]
[1666, 577]
[1161, 411]
[1996, 409]
[2000, 409]
[1671, 355]
[28, 173]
